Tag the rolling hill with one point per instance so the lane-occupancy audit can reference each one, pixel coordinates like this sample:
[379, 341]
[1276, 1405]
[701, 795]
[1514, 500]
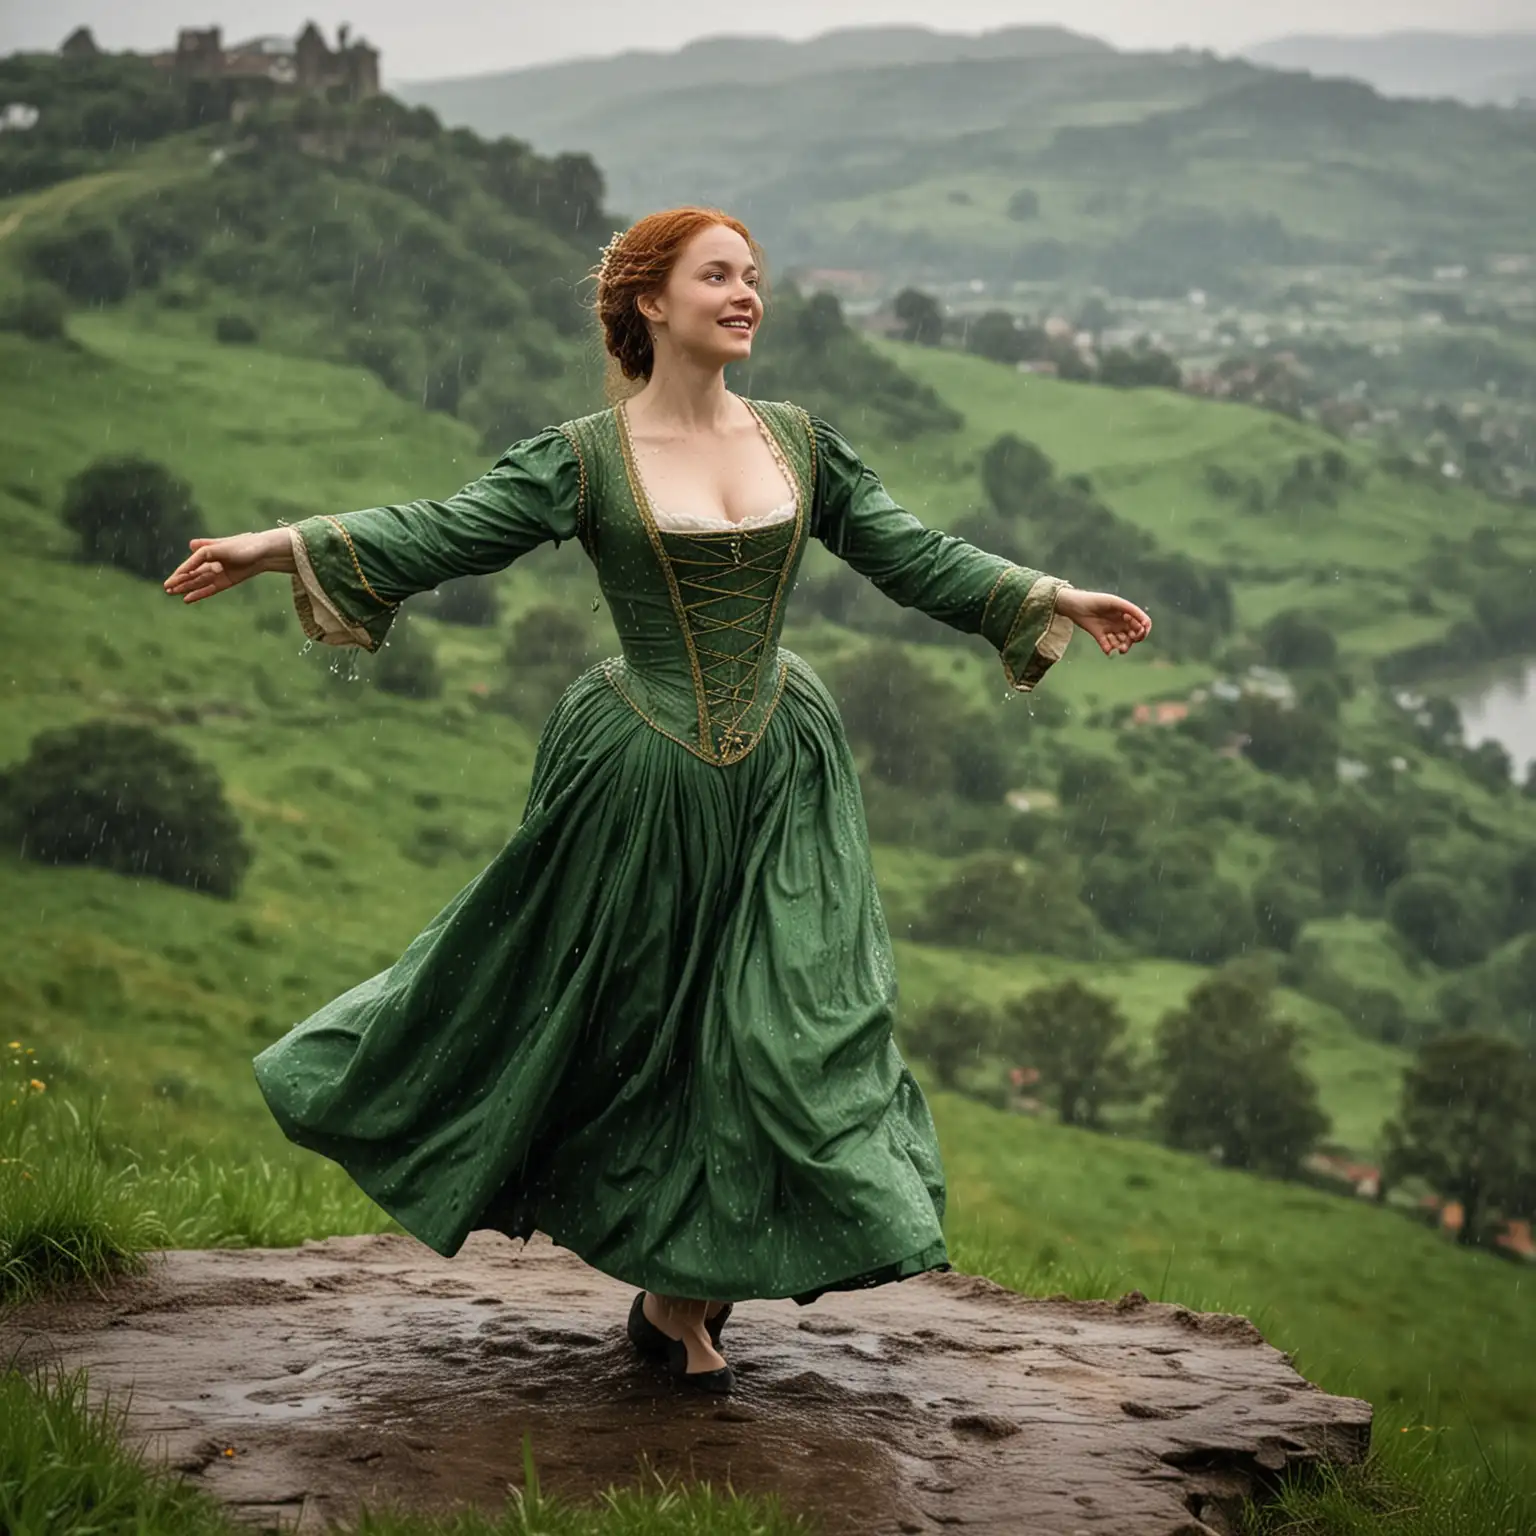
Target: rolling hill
[1497, 69]
[912, 166]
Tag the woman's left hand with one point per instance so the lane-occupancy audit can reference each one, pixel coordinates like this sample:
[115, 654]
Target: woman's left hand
[1115, 623]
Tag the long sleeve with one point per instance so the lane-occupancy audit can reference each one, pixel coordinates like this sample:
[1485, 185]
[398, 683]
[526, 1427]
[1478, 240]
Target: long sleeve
[951, 580]
[353, 571]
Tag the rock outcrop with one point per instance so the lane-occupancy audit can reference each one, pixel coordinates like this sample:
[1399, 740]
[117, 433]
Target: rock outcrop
[369, 1369]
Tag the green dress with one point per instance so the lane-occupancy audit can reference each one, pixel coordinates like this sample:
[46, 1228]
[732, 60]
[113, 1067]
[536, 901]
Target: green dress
[658, 1025]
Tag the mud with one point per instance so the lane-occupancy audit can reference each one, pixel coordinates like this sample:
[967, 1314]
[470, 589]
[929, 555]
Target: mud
[370, 1370]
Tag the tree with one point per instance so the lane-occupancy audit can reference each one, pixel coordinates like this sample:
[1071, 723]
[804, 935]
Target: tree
[1145, 368]
[1295, 642]
[999, 903]
[1075, 1038]
[132, 512]
[1013, 473]
[407, 665]
[1232, 1084]
[1442, 920]
[88, 261]
[38, 312]
[125, 798]
[469, 601]
[1463, 1126]
[1024, 205]
[549, 645]
[921, 318]
[995, 334]
[902, 715]
[947, 1035]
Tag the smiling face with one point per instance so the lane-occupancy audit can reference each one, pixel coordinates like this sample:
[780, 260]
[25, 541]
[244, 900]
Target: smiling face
[710, 308]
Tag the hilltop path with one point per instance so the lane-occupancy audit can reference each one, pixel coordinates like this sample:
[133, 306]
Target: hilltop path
[371, 1369]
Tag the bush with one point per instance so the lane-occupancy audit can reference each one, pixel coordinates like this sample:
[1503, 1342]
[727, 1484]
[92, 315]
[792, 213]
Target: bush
[999, 903]
[1445, 922]
[549, 645]
[469, 601]
[948, 1035]
[88, 261]
[235, 330]
[37, 311]
[407, 664]
[125, 798]
[133, 513]
[1295, 642]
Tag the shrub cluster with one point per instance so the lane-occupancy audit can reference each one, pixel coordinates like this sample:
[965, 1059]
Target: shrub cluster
[126, 798]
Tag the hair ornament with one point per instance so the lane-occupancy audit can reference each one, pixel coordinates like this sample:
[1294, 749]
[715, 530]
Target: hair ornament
[606, 254]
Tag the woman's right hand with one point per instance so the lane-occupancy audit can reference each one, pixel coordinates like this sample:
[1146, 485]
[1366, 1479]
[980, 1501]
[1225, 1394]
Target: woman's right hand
[216, 565]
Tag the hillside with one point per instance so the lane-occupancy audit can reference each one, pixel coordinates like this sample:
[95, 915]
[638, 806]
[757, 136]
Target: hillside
[911, 167]
[558, 96]
[1481, 69]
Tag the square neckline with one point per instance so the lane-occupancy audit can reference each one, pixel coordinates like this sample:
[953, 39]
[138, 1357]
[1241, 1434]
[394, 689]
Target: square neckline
[785, 512]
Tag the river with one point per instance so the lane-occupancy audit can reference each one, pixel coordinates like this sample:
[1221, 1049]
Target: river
[1501, 706]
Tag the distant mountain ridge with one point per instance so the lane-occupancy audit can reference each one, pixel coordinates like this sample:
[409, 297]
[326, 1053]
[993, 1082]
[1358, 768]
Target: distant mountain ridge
[1494, 69]
[553, 95]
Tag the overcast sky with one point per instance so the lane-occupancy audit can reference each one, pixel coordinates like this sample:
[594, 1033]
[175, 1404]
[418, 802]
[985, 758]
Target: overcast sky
[457, 37]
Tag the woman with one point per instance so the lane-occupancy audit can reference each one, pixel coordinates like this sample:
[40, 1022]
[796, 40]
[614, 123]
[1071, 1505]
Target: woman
[658, 1026]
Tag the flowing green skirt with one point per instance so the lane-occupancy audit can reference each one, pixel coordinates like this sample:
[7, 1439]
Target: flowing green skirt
[657, 1027]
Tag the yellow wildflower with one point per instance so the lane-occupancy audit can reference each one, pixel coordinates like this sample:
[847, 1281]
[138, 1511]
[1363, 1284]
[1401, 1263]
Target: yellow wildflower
[229, 1450]
[15, 1045]
[38, 1085]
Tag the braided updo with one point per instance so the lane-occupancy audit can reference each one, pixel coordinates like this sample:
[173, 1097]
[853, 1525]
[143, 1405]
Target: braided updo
[636, 263]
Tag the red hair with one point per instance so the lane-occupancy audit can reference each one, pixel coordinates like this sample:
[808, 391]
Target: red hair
[639, 262]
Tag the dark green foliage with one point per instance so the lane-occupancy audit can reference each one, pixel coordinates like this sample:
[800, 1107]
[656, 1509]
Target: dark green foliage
[469, 601]
[1295, 742]
[1166, 896]
[807, 352]
[1060, 526]
[948, 1036]
[549, 645]
[407, 663]
[38, 311]
[921, 318]
[1014, 472]
[132, 512]
[1144, 367]
[916, 728]
[1232, 1082]
[1076, 1039]
[125, 798]
[86, 109]
[1000, 903]
[1465, 1127]
[1001, 337]
[1295, 641]
[235, 330]
[88, 259]
[1445, 920]
[1361, 845]
[1281, 907]
[1024, 205]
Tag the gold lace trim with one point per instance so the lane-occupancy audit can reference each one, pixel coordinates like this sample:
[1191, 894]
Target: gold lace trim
[341, 528]
[581, 489]
[720, 690]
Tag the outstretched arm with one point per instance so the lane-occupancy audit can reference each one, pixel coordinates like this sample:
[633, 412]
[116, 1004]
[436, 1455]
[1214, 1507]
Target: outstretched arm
[351, 572]
[1027, 615]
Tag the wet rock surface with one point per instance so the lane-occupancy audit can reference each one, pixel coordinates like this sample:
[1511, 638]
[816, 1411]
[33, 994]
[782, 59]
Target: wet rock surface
[370, 1370]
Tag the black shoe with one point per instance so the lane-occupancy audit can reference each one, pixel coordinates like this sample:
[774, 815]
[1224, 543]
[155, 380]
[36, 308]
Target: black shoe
[652, 1342]
[720, 1382]
[644, 1334]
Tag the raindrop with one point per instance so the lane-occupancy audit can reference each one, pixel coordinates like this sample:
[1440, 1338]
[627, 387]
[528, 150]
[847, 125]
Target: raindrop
[306, 648]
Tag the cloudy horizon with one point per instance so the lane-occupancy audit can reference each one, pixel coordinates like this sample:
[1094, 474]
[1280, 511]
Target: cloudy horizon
[469, 37]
